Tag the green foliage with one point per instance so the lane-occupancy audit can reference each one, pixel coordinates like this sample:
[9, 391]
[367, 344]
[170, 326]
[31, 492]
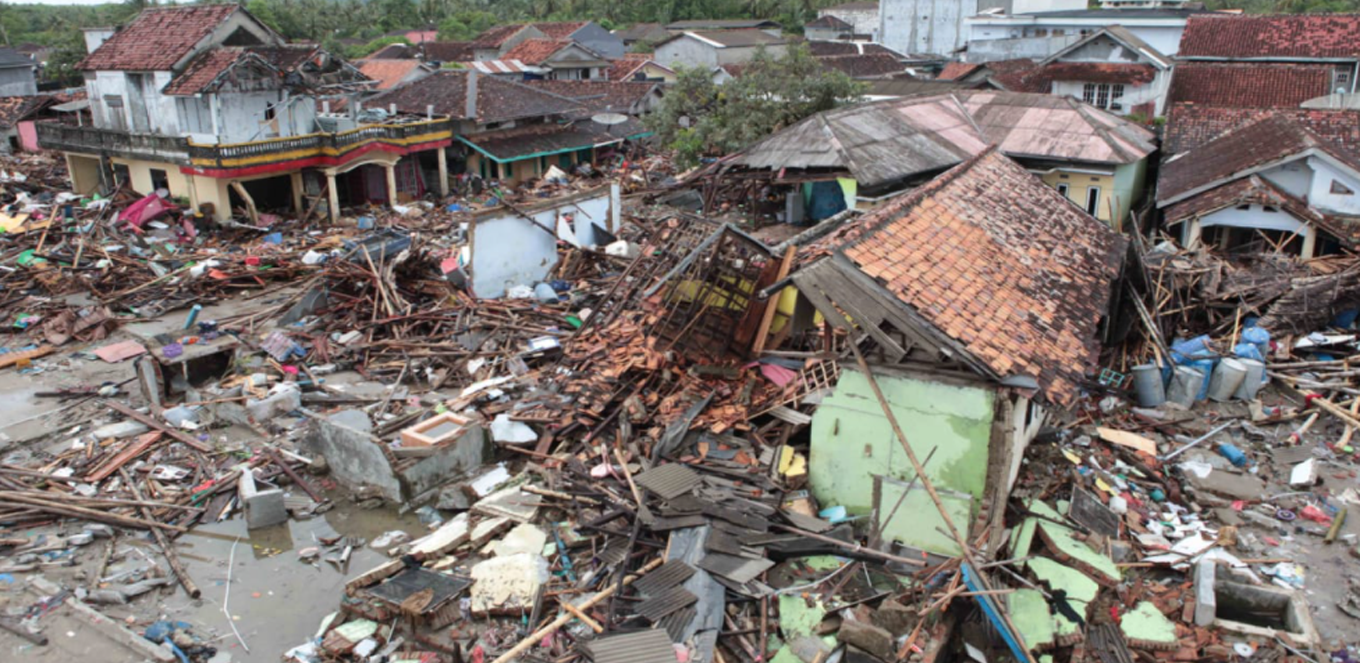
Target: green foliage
[264, 10]
[464, 26]
[698, 118]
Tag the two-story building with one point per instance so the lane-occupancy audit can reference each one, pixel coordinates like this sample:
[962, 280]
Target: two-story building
[1000, 35]
[207, 102]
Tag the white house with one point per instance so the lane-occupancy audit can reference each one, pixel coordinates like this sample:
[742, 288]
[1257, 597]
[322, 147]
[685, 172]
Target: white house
[1112, 70]
[940, 27]
[1005, 36]
[716, 47]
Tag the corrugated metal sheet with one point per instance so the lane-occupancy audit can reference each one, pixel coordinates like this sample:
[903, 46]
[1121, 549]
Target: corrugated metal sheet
[675, 598]
[736, 569]
[652, 646]
[666, 576]
[736, 517]
[663, 524]
[669, 481]
[674, 624]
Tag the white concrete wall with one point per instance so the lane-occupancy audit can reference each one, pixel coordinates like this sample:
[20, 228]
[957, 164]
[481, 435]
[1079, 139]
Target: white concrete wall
[17, 82]
[687, 52]
[1032, 6]
[1165, 35]
[925, 26]
[1034, 48]
[507, 250]
[1255, 216]
[1295, 177]
[1320, 192]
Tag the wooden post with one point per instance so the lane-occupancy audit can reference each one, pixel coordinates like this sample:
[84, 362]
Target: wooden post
[298, 187]
[772, 306]
[166, 546]
[391, 184]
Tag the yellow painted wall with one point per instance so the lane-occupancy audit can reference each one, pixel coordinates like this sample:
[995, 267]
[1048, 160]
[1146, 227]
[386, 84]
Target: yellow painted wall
[84, 173]
[516, 171]
[1077, 183]
[141, 177]
[655, 71]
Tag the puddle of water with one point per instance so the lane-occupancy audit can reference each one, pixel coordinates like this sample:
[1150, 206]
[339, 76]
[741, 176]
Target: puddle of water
[276, 600]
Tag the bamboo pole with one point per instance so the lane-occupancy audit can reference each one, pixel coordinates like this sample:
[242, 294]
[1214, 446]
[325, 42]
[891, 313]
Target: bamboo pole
[170, 555]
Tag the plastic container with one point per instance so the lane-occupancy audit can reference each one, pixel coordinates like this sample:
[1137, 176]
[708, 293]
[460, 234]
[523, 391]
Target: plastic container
[1227, 377]
[1254, 380]
[1234, 455]
[1185, 385]
[1147, 385]
[1259, 337]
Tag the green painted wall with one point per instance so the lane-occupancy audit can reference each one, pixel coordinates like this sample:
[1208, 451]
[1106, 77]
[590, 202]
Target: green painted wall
[1129, 180]
[851, 439]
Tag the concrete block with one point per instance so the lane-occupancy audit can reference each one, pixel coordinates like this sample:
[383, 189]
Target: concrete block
[1206, 600]
[866, 636]
[895, 618]
[264, 508]
[344, 440]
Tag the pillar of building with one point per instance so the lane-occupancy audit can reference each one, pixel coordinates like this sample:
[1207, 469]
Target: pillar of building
[391, 169]
[443, 173]
[1309, 243]
[333, 200]
[298, 205]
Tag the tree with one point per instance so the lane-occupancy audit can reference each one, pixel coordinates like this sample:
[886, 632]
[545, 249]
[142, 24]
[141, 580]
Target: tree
[264, 10]
[372, 47]
[698, 118]
[463, 26]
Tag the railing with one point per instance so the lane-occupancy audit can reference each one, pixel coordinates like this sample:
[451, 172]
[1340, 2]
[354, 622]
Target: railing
[334, 145]
[68, 138]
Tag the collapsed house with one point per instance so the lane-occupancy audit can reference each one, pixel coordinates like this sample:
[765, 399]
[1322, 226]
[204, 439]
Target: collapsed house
[983, 294]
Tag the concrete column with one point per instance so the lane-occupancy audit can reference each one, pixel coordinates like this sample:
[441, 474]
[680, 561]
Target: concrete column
[391, 184]
[334, 197]
[296, 180]
[1192, 233]
[443, 173]
[1309, 243]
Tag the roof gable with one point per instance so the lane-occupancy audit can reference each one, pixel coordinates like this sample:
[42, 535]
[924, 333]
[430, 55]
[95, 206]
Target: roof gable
[1242, 151]
[1118, 34]
[562, 30]
[1001, 263]
[1051, 127]
[160, 37]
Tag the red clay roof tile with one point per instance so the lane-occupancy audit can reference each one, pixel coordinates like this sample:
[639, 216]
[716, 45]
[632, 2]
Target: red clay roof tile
[536, 51]
[1257, 84]
[1279, 36]
[158, 38]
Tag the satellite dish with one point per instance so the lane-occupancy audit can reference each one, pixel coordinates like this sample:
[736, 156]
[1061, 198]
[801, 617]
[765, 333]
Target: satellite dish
[609, 118]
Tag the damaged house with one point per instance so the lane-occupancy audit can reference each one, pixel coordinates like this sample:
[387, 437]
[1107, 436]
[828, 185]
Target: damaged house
[208, 103]
[979, 299]
[1274, 184]
[859, 156]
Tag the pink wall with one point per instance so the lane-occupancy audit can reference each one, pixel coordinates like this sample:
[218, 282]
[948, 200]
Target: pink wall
[421, 36]
[28, 136]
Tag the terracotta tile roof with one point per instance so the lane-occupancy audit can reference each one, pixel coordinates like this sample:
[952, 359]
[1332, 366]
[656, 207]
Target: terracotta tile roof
[1249, 84]
[1276, 36]
[560, 30]
[536, 51]
[15, 109]
[447, 51]
[204, 69]
[158, 38]
[388, 73]
[1098, 72]
[863, 66]
[596, 96]
[955, 70]
[624, 68]
[1226, 157]
[520, 142]
[1260, 191]
[496, 100]
[1189, 126]
[1001, 263]
[495, 37]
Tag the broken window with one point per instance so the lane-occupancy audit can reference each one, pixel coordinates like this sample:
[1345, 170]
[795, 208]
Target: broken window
[117, 119]
[1341, 189]
[1063, 188]
[1092, 200]
[159, 180]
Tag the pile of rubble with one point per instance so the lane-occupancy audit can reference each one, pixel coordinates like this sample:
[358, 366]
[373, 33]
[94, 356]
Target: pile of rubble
[622, 454]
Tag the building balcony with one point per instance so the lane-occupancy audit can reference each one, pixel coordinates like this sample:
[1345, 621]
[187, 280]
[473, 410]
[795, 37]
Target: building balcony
[107, 142]
[320, 150]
